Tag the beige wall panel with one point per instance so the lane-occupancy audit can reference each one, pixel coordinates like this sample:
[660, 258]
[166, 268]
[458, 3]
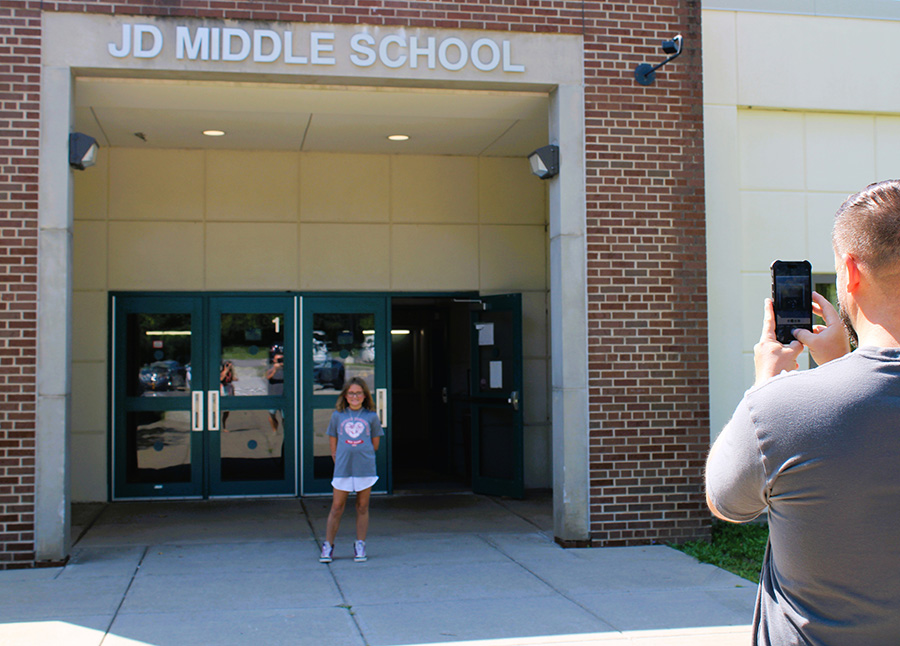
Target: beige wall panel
[88, 460]
[534, 397]
[509, 193]
[771, 150]
[434, 257]
[773, 228]
[344, 188]
[513, 258]
[89, 246]
[434, 189]
[345, 257]
[821, 208]
[839, 59]
[156, 184]
[538, 449]
[840, 152]
[156, 255]
[90, 193]
[755, 288]
[887, 148]
[253, 186]
[89, 327]
[723, 248]
[89, 396]
[535, 335]
[251, 256]
[720, 63]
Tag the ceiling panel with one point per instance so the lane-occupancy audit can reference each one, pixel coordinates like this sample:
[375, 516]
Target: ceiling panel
[268, 116]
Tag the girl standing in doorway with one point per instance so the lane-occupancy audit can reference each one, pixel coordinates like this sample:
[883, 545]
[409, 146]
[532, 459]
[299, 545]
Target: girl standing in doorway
[354, 434]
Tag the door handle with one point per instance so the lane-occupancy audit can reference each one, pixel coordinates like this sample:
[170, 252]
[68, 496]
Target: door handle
[445, 395]
[212, 399]
[197, 410]
[381, 406]
[514, 399]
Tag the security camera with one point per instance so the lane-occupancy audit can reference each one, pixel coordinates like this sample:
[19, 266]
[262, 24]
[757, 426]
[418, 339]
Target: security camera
[672, 46]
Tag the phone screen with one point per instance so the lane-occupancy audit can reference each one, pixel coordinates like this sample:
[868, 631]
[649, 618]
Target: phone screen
[792, 293]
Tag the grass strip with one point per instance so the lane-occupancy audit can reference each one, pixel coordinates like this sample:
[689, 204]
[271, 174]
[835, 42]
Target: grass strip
[736, 548]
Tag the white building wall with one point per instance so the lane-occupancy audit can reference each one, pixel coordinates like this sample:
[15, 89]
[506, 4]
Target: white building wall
[801, 110]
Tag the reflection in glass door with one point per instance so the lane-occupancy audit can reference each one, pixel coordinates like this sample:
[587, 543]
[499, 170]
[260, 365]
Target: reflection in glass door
[156, 451]
[253, 360]
[346, 337]
[203, 396]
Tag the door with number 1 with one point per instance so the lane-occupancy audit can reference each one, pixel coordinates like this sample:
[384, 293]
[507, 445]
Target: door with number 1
[203, 395]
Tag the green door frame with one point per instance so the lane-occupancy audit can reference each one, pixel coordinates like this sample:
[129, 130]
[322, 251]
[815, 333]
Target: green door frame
[378, 306]
[496, 397]
[205, 473]
[123, 404]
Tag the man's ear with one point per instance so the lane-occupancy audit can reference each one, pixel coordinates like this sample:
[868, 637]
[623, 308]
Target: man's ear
[851, 267]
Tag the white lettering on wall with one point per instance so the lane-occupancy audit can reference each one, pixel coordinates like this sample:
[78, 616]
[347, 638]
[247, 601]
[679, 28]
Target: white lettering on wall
[232, 44]
[361, 44]
[462, 56]
[317, 47]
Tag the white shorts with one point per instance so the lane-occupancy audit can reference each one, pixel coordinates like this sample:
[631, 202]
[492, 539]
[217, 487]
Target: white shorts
[354, 484]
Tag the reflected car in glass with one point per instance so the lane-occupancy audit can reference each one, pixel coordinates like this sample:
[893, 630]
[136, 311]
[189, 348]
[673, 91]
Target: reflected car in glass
[329, 372]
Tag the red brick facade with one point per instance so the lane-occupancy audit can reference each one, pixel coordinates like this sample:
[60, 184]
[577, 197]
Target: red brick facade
[20, 85]
[648, 374]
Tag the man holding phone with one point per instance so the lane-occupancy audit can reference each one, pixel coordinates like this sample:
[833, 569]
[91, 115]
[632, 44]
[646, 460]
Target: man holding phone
[820, 449]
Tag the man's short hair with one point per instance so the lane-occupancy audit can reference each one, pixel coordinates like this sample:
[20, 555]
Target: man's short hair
[868, 225]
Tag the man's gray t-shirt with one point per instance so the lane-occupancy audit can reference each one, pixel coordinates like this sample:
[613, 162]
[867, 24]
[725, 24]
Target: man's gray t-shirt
[354, 430]
[821, 450]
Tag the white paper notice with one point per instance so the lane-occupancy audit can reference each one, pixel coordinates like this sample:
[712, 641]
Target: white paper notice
[485, 333]
[496, 374]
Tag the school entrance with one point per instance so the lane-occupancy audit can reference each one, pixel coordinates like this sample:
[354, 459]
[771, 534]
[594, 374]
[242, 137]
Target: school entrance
[218, 395]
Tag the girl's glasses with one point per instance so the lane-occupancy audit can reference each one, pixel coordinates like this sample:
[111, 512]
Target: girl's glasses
[356, 394]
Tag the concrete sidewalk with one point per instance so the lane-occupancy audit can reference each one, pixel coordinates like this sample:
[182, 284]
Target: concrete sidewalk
[458, 569]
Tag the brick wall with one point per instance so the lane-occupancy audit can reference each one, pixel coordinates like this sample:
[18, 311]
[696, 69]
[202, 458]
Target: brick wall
[649, 421]
[648, 360]
[19, 136]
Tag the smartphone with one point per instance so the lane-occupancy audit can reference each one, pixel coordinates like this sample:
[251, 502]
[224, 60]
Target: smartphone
[792, 293]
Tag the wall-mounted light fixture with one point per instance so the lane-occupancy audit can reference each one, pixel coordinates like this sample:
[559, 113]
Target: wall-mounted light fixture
[545, 161]
[645, 73]
[82, 150]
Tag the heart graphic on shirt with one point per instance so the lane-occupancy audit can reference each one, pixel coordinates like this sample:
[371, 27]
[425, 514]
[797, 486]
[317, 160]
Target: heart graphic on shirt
[354, 429]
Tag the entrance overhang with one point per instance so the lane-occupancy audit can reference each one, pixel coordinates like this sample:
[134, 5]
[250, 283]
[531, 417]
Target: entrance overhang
[82, 46]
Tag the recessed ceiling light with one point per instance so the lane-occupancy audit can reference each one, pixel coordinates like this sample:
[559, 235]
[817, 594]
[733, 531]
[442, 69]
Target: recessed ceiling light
[214, 133]
[398, 137]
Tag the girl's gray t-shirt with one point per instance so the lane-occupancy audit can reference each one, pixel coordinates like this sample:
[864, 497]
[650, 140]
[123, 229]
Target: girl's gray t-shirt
[354, 430]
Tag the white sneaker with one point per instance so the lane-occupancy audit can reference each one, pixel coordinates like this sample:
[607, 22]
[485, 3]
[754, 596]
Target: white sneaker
[327, 551]
[359, 551]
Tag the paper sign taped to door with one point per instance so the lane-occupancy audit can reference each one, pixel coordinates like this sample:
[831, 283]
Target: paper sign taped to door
[485, 333]
[496, 374]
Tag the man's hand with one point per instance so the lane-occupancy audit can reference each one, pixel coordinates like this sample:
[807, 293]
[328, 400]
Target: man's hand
[770, 358]
[829, 341]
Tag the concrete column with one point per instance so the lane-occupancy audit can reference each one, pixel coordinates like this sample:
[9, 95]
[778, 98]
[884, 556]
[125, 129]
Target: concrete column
[52, 497]
[568, 319]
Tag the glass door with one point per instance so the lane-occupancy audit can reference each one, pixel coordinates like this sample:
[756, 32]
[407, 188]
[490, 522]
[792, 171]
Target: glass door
[203, 396]
[342, 338]
[251, 402]
[157, 439]
[496, 396]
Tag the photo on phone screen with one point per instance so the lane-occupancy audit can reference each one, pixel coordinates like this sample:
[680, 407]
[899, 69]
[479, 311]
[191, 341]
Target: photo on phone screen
[792, 294]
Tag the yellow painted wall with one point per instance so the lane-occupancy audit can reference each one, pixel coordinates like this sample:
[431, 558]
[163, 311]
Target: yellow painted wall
[169, 220]
[798, 115]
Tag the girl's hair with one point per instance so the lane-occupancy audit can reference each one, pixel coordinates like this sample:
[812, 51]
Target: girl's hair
[368, 404]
